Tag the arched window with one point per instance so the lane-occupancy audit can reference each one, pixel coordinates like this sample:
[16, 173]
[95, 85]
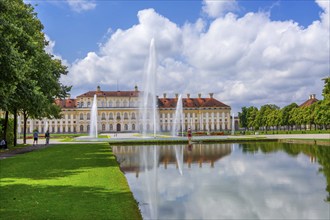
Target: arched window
[111, 127]
[125, 115]
[81, 116]
[88, 104]
[103, 127]
[87, 128]
[125, 104]
[88, 116]
[103, 116]
[126, 127]
[81, 104]
[118, 116]
[117, 103]
[133, 115]
[111, 116]
[133, 127]
[110, 104]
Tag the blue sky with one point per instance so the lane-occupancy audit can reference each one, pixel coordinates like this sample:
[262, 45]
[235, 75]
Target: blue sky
[243, 51]
[64, 25]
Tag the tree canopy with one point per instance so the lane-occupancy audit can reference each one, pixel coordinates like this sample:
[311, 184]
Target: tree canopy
[30, 77]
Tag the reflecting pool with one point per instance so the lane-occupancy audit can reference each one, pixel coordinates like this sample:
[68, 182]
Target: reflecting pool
[229, 181]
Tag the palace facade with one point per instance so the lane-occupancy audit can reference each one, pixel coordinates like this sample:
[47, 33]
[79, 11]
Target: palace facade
[118, 111]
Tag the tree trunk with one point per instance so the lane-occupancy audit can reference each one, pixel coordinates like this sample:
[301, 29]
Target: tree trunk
[24, 127]
[15, 127]
[5, 126]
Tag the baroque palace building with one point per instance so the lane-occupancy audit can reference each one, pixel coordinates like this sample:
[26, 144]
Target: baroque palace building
[118, 111]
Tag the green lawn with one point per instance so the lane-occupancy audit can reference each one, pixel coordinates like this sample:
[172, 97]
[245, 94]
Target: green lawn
[69, 181]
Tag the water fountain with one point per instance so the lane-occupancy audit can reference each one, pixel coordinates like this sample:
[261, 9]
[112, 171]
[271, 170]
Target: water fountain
[46, 126]
[93, 119]
[178, 117]
[148, 101]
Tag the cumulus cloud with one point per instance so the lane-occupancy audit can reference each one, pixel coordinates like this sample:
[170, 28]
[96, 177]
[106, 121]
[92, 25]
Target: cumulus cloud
[215, 8]
[81, 5]
[50, 50]
[247, 60]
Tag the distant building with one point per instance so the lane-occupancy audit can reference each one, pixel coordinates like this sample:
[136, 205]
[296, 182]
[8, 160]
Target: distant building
[311, 100]
[118, 111]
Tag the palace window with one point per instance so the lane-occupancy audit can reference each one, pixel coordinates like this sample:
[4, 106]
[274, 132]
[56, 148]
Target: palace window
[103, 116]
[118, 116]
[88, 116]
[111, 116]
[125, 115]
[81, 116]
[133, 115]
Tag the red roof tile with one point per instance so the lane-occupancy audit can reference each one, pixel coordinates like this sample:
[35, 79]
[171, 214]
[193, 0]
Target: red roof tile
[190, 102]
[110, 94]
[66, 103]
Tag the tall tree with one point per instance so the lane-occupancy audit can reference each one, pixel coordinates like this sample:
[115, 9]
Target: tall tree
[285, 115]
[31, 76]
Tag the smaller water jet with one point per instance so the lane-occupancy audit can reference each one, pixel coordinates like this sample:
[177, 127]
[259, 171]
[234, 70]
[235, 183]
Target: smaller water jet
[178, 118]
[93, 119]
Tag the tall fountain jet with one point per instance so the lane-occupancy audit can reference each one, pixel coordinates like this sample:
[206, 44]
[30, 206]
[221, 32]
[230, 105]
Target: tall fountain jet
[93, 120]
[148, 101]
[178, 117]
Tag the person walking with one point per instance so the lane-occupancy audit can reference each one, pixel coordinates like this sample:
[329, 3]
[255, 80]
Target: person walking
[47, 136]
[35, 137]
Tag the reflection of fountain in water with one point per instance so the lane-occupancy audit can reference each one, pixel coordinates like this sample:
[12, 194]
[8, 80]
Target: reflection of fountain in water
[148, 100]
[178, 117]
[149, 164]
[179, 157]
[93, 119]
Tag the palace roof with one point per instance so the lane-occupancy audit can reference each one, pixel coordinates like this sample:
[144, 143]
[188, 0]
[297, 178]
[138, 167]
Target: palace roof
[310, 101]
[66, 103]
[110, 94]
[191, 103]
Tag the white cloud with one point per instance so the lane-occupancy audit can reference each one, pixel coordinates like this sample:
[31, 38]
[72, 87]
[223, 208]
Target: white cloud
[50, 50]
[215, 8]
[248, 60]
[81, 5]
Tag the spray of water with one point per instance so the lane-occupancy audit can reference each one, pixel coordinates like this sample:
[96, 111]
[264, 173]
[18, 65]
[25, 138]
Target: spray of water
[148, 101]
[93, 119]
[178, 117]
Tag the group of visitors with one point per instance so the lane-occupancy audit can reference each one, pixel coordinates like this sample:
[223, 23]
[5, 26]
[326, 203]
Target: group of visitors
[36, 137]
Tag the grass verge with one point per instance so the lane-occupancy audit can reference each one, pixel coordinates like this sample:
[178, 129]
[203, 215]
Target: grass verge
[78, 181]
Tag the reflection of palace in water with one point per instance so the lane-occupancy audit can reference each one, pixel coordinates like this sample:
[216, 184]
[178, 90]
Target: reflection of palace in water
[129, 157]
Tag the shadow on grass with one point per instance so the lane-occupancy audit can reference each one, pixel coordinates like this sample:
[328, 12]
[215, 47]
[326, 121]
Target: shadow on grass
[58, 161]
[65, 202]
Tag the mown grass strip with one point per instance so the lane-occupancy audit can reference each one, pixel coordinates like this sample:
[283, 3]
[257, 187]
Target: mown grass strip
[78, 181]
